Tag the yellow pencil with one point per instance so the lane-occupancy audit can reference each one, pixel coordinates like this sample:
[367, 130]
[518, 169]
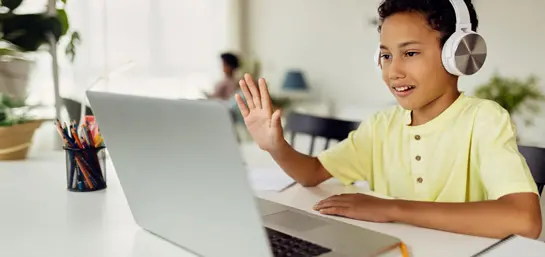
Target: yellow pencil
[404, 251]
[99, 142]
[96, 138]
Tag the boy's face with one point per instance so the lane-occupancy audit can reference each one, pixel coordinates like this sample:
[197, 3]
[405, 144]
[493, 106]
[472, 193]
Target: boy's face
[410, 56]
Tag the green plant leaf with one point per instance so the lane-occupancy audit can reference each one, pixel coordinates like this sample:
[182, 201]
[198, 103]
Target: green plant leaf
[10, 103]
[513, 94]
[6, 123]
[70, 50]
[14, 112]
[63, 19]
[3, 114]
[10, 52]
[280, 102]
[11, 4]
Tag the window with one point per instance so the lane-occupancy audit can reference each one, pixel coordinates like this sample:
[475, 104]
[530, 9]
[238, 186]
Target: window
[173, 45]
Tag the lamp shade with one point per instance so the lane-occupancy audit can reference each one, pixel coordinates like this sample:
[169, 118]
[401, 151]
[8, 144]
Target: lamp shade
[294, 80]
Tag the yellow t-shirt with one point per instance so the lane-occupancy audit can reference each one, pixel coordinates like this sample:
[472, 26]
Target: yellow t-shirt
[467, 153]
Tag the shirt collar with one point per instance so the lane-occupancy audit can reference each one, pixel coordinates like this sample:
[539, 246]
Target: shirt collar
[441, 118]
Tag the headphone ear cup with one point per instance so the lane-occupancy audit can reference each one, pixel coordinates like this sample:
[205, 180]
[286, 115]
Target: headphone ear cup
[464, 53]
[448, 54]
[376, 59]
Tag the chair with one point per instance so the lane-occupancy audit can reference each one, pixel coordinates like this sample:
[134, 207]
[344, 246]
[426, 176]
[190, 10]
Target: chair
[535, 157]
[328, 128]
[74, 109]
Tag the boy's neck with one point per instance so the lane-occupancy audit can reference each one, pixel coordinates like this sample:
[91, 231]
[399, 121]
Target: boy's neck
[434, 108]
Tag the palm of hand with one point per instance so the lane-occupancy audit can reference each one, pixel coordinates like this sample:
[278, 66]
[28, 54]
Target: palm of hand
[264, 125]
[259, 125]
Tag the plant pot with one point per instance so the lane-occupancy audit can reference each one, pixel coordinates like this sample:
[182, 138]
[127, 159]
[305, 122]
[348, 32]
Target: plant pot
[16, 140]
[15, 75]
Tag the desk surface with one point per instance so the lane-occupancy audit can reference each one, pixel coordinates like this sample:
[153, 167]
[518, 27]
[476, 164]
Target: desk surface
[41, 218]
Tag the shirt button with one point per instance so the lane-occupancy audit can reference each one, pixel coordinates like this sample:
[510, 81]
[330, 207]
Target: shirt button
[418, 157]
[417, 137]
[419, 180]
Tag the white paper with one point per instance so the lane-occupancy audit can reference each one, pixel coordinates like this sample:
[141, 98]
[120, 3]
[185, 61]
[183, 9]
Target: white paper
[270, 179]
[518, 246]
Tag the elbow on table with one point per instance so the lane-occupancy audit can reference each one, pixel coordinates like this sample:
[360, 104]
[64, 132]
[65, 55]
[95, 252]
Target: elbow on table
[315, 179]
[312, 181]
[309, 183]
[530, 225]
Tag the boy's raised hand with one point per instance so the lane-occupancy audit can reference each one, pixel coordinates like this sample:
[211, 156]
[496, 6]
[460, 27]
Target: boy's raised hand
[264, 125]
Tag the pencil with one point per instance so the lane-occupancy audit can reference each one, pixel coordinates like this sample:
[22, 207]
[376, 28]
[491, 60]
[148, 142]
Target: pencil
[85, 174]
[84, 171]
[88, 135]
[94, 174]
[99, 142]
[404, 251]
[75, 136]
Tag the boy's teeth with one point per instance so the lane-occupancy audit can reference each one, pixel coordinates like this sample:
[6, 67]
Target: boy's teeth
[401, 89]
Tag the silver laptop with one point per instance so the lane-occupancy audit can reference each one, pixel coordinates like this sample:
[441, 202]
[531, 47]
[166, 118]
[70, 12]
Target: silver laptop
[180, 167]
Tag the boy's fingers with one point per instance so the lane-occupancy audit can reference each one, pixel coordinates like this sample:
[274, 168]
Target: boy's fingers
[242, 106]
[275, 119]
[247, 94]
[253, 90]
[265, 97]
[329, 203]
[339, 211]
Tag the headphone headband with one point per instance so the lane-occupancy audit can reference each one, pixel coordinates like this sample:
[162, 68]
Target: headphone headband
[463, 21]
[464, 52]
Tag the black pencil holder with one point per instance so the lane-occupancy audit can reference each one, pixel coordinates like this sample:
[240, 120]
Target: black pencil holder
[85, 169]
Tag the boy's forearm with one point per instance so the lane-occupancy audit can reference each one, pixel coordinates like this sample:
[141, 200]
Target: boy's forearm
[495, 219]
[306, 170]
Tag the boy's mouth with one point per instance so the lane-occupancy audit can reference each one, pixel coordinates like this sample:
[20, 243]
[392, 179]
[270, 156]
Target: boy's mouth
[404, 90]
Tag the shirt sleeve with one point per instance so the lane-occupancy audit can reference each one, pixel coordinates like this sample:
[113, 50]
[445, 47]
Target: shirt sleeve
[502, 168]
[350, 159]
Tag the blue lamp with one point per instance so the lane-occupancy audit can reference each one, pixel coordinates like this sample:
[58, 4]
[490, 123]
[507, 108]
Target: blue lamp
[294, 81]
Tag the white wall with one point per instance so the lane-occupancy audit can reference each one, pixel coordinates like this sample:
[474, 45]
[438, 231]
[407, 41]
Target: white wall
[330, 40]
[334, 44]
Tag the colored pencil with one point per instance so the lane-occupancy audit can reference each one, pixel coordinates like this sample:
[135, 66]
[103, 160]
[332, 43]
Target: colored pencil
[82, 146]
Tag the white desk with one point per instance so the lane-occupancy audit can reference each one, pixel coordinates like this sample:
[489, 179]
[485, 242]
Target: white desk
[39, 217]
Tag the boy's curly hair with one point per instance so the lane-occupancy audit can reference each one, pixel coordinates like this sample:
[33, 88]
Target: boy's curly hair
[439, 13]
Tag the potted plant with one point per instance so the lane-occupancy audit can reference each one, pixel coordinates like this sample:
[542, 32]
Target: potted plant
[23, 34]
[517, 96]
[16, 128]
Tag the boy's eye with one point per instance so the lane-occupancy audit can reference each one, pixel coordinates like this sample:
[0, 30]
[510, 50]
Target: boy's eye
[385, 56]
[411, 54]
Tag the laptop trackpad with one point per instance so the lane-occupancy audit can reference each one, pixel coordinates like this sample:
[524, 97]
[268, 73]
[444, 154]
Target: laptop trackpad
[294, 221]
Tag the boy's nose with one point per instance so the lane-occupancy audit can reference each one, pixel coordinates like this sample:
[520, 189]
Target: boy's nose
[395, 73]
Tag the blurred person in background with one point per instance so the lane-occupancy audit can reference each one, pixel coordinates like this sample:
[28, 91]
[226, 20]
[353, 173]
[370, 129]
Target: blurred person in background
[226, 88]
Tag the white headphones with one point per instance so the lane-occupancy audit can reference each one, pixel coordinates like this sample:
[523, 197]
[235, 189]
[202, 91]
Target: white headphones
[464, 52]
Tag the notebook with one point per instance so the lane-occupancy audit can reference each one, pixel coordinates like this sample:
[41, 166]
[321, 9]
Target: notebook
[514, 245]
[270, 179]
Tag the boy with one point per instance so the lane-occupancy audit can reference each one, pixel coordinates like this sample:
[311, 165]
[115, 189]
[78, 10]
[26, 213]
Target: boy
[450, 161]
[227, 87]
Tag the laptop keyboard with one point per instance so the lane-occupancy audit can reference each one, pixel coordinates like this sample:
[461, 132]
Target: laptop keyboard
[284, 245]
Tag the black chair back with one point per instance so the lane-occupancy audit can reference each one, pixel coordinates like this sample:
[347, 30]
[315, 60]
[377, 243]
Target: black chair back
[535, 157]
[315, 126]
